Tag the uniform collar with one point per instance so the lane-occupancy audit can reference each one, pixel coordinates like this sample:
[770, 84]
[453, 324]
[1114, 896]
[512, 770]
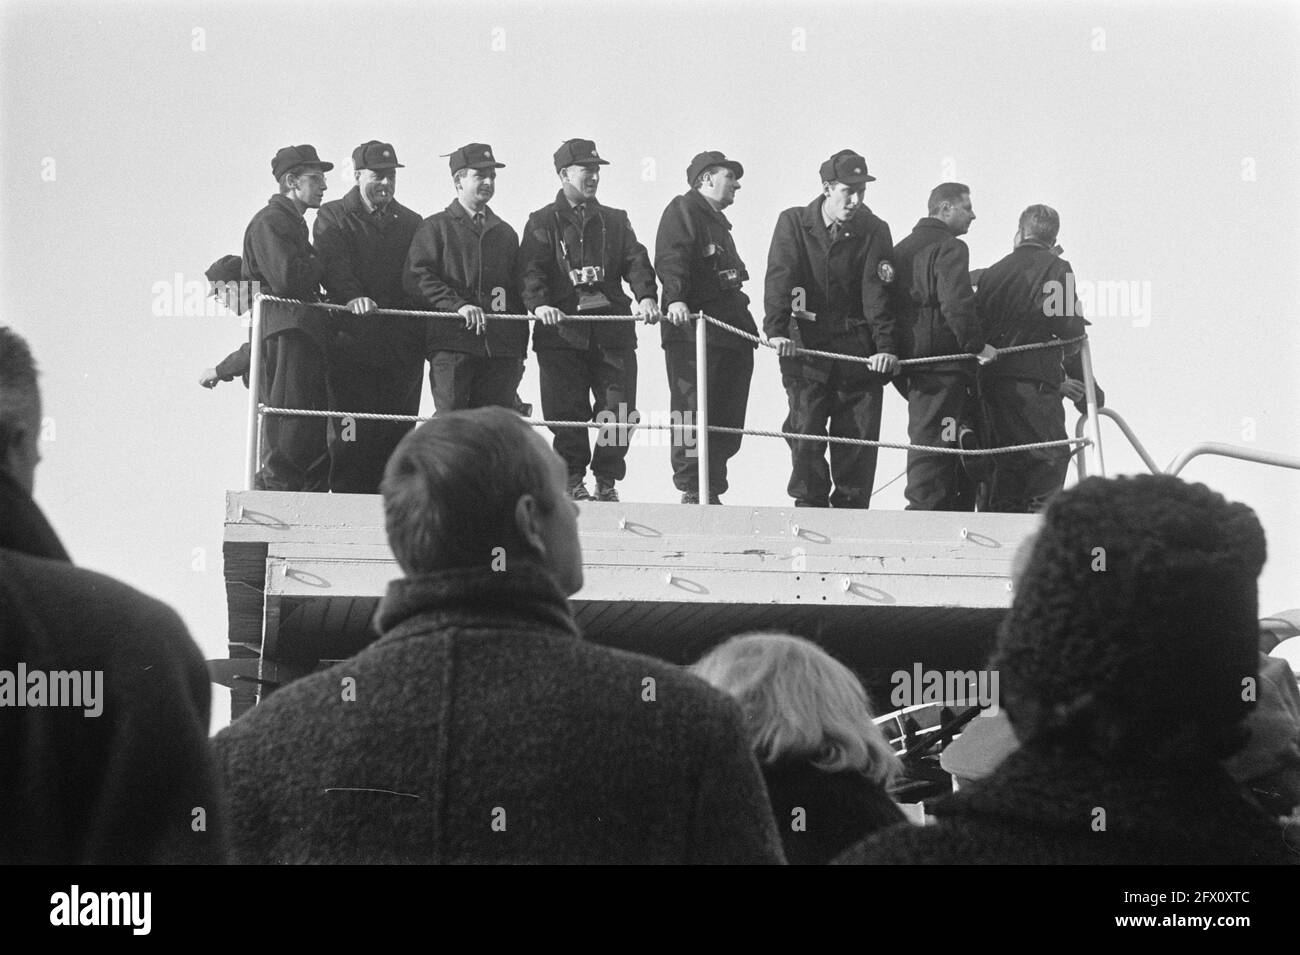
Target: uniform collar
[693, 196]
[457, 210]
[284, 202]
[565, 207]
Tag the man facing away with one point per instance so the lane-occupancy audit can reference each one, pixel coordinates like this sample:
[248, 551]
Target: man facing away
[935, 306]
[1128, 663]
[828, 275]
[464, 260]
[296, 338]
[104, 698]
[701, 271]
[481, 727]
[1026, 298]
[575, 257]
[377, 362]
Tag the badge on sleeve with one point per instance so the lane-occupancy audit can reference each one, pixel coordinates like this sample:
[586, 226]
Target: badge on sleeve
[885, 271]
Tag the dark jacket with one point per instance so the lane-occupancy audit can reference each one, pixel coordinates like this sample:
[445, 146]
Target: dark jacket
[838, 809]
[693, 244]
[1039, 808]
[452, 264]
[279, 257]
[364, 254]
[552, 245]
[484, 729]
[23, 526]
[121, 787]
[933, 299]
[1024, 298]
[844, 291]
[235, 364]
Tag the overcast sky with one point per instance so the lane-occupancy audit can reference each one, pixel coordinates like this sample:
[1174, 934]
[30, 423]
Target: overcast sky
[137, 138]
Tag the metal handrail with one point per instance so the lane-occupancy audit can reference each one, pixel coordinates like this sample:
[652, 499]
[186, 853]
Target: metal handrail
[1197, 450]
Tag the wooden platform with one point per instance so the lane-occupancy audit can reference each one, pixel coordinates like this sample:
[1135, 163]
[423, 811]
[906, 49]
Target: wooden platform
[304, 574]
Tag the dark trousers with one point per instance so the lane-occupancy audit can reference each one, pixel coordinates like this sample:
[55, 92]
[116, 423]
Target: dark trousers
[1022, 411]
[730, 371]
[848, 398]
[592, 385]
[939, 406]
[359, 448]
[295, 456]
[459, 381]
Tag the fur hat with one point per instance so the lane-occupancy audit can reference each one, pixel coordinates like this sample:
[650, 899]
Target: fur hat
[1134, 627]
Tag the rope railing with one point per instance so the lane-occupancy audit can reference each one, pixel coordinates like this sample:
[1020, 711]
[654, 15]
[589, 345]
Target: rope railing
[691, 428]
[702, 428]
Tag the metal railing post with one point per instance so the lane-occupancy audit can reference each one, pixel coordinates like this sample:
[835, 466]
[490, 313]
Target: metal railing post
[254, 396]
[1096, 461]
[702, 404]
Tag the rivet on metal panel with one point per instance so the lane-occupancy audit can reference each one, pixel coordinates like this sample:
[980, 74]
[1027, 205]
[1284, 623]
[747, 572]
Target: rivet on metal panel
[668, 577]
[965, 533]
[794, 529]
[846, 584]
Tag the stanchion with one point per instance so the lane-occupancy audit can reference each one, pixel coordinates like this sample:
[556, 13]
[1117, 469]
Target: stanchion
[702, 405]
[1096, 463]
[253, 449]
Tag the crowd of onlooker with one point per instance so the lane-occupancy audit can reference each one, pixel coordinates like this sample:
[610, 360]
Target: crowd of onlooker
[1143, 722]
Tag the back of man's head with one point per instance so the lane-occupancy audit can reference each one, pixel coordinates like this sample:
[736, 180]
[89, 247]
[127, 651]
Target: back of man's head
[453, 490]
[20, 410]
[1040, 223]
[949, 192]
[1133, 632]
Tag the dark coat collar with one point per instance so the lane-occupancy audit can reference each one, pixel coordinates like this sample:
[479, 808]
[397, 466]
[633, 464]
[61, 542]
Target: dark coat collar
[694, 196]
[565, 208]
[285, 204]
[815, 224]
[525, 595]
[23, 526]
[461, 215]
[1200, 803]
[929, 222]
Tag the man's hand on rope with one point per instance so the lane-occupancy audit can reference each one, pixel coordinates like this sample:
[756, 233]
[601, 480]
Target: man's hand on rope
[209, 378]
[989, 354]
[784, 346]
[648, 310]
[884, 363]
[548, 315]
[362, 305]
[474, 318]
[679, 314]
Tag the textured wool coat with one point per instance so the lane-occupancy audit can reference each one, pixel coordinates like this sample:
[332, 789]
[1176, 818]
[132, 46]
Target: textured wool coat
[481, 728]
[1039, 808]
[133, 784]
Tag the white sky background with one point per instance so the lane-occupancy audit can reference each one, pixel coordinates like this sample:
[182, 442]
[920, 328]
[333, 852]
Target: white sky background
[1167, 141]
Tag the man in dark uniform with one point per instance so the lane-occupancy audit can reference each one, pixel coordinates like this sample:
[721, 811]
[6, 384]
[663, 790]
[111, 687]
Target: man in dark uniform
[225, 287]
[575, 256]
[297, 338]
[701, 271]
[828, 274]
[1026, 298]
[464, 259]
[935, 308]
[378, 361]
